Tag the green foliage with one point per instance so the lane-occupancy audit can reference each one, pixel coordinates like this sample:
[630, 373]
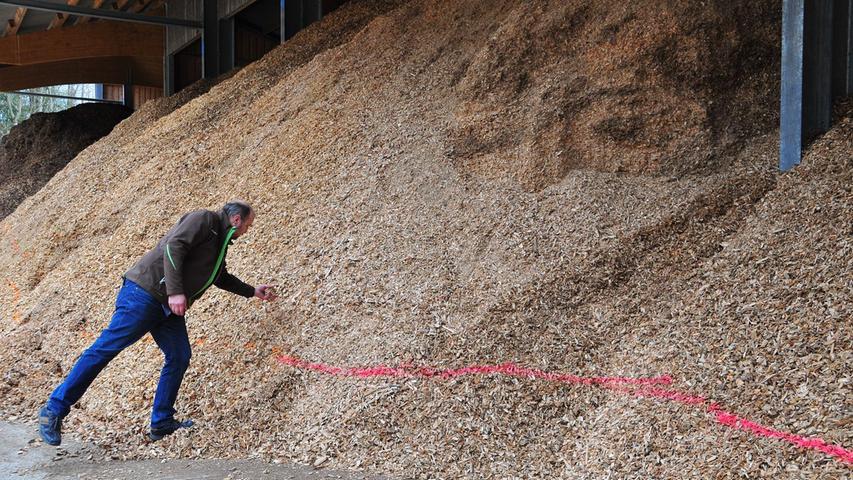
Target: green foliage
[15, 107]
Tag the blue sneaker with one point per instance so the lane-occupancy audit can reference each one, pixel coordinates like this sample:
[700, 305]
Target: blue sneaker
[168, 428]
[50, 427]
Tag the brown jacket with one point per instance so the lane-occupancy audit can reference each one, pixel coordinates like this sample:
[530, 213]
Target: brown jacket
[189, 258]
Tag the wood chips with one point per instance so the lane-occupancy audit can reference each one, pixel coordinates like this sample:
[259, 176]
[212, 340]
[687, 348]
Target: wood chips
[583, 187]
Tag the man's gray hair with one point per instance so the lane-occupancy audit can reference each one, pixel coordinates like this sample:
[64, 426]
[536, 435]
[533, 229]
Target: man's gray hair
[237, 208]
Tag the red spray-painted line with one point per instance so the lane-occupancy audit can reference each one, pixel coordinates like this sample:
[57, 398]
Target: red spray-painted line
[507, 369]
[736, 422]
[638, 387]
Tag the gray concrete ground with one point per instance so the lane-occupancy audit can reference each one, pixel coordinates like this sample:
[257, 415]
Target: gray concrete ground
[23, 456]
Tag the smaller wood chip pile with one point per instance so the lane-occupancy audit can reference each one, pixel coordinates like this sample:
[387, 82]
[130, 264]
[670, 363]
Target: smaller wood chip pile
[566, 185]
[34, 150]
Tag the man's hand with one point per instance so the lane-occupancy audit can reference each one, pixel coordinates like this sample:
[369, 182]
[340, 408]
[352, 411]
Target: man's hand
[178, 304]
[265, 292]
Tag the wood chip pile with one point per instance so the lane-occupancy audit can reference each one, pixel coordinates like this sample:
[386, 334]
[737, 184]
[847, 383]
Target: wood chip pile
[583, 187]
[34, 150]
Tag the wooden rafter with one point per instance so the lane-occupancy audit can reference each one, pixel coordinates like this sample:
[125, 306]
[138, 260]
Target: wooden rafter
[139, 6]
[156, 4]
[60, 18]
[120, 4]
[115, 5]
[135, 6]
[95, 4]
[15, 23]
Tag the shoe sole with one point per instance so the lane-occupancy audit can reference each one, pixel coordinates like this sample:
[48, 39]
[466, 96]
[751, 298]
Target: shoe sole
[56, 444]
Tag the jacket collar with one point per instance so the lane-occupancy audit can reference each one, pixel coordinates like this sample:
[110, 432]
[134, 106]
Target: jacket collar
[224, 225]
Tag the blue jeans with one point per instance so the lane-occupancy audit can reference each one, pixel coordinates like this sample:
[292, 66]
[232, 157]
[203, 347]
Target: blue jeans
[136, 314]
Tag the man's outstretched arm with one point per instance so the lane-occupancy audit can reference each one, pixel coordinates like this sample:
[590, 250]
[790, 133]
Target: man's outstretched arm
[232, 284]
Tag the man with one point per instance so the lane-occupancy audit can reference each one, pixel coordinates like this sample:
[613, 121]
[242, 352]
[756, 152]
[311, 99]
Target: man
[154, 297]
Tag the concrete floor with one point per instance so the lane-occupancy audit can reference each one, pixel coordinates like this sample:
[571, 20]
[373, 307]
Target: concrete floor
[23, 456]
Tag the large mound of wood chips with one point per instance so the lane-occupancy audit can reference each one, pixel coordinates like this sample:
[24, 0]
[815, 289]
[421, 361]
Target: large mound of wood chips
[583, 187]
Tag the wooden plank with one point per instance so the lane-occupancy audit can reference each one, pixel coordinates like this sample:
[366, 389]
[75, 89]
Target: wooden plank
[145, 71]
[15, 23]
[94, 39]
[60, 18]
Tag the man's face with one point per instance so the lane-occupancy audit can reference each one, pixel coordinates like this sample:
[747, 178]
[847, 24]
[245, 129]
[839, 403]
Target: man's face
[241, 224]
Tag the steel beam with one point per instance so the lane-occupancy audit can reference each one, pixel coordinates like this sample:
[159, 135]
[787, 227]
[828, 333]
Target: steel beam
[210, 39]
[807, 62]
[842, 48]
[298, 14]
[791, 108]
[168, 74]
[817, 68]
[282, 24]
[64, 97]
[101, 13]
[849, 42]
[226, 45]
[127, 98]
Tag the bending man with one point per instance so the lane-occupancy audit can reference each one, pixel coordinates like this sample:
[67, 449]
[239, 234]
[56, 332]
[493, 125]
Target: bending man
[154, 297]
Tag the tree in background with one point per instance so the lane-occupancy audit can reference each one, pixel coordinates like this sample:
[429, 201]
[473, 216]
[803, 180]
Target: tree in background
[15, 107]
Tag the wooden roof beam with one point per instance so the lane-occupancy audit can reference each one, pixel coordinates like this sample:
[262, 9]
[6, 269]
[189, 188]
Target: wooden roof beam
[146, 71]
[47, 6]
[15, 23]
[60, 18]
[139, 6]
[96, 4]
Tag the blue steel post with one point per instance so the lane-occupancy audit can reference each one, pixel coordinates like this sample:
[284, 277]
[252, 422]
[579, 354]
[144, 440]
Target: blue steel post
[282, 23]
[791, 114]
[842, 48]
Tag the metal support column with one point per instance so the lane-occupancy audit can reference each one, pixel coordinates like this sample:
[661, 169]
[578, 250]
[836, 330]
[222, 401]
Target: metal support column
[226, 45]
[168, 74]
[282, 21]
[168, 60]
[842, 48]
[127, 99]
[817, 69]
[806, 104]
[848, 42]
[312, 11]
[210, 39]
[791, 114]
[298, 14]
[292, 17]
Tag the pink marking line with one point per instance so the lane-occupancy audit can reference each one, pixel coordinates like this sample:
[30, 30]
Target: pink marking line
[638, 387]
[506, 369]
[736, 422]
